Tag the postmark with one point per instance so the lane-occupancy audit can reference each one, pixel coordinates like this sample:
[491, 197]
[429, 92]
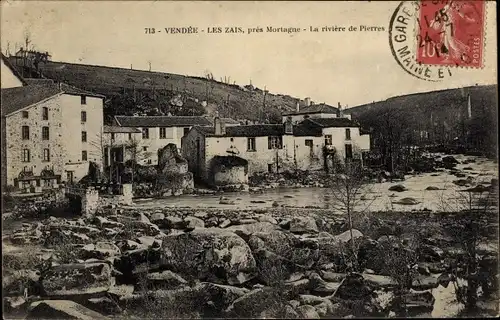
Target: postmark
[451, 33]
[403, 39]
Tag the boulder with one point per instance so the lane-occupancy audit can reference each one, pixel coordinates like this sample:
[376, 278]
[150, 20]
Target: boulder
[429, 253]
[61, 309]
[407, 201]
[194, 222]
[432, 188]
[103, 305]
[262, 302]
[165, 280]
[245, 230]
[423, 282]
[138, 261]
[266, 218]
[307, 312]
[398, 188]
[19, 282]
[202, 253]
[379, 282]
[354, 287]
[310, 299]
[106, 223]
[157, 216]
[77, 279]
[303, 225]
[100, 250]
[222, 296]
[325, 308]
[321, 287]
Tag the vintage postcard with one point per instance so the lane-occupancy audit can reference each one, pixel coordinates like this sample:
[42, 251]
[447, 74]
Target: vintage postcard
[249, 159]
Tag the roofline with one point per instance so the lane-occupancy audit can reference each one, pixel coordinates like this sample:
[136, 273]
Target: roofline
[33, 104]
[305, 112]
[90, 94]
[14, 70]
[162, 126]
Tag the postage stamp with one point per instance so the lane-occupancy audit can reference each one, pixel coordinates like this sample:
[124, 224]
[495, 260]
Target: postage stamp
[451, 33]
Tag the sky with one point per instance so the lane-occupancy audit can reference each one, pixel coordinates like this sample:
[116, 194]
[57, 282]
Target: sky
[352, 68]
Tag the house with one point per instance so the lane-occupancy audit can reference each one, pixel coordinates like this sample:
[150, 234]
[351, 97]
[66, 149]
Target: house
[50, 132]
[158, 131]
[307, 145]
[311, 110]
[121, 144]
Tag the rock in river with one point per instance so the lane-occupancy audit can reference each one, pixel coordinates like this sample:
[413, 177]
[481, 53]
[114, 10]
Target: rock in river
[61, 309]
[77, 278]
[205, 252]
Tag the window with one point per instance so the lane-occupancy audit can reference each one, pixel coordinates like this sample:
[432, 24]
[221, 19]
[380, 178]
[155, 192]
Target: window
[270, 167]
[145, 133]
[25, 114]
[84, 155]
[25, 132]
[83, 100]
[149, 161]
[45, 133]
[144, 148]
[348, 151]
[112, 137]
[348, 134]
[186, 130]
[83, 116]
[84, 136]
[130, 136]
[163, 133]
[26, 155]
[275, 142]
[328, 140]
[309, 143]
[251, 144]
[45, 113]
[46, 154]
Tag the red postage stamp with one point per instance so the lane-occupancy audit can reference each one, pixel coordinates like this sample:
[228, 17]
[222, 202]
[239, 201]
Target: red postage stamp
[451, 32]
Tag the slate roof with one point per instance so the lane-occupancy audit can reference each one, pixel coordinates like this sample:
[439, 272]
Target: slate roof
[332, 122]
[161, 121]
[315, 108]
[117, 129]
[263, 130]
[15, 99]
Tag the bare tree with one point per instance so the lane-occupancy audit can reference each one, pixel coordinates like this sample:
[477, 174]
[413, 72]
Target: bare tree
[137, 154]
[348, 190]
[474, 209]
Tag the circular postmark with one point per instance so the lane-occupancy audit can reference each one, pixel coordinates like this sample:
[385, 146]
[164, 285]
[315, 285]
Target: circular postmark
[404, 40]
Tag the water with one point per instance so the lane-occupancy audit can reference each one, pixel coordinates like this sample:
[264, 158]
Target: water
[377, 195]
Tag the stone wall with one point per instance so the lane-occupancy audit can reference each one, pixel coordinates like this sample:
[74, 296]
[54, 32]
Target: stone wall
[91, 200]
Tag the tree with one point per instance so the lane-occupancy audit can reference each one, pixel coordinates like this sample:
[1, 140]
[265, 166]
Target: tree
[348, 188]
[473, 209]
[137, 154]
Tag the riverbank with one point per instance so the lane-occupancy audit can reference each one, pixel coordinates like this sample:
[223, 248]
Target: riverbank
[222, 263]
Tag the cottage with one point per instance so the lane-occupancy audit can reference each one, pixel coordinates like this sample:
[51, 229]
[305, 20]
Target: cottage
[312, 144]
[159, 131]
[50, 133]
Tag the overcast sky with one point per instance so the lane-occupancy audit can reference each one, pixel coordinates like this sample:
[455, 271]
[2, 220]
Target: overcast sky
[353, 68]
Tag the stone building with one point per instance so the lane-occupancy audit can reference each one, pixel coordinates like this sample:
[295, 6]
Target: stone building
[307, 145]
[50, 132]
[120, 144]
[158, 131]
[314, 111]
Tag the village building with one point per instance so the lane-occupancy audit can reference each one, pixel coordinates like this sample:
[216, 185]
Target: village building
[121, 144]
[50, 131]
[223, 155]
[159, 131]
[312, 110]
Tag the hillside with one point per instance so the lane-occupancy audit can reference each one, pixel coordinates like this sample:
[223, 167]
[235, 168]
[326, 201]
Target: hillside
[436, 117]
[150, 90]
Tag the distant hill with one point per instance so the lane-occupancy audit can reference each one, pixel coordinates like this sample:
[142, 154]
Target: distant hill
[154, 90]
[436, 117]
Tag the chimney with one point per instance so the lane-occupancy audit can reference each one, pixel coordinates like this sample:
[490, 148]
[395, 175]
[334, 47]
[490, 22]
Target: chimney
[288, 126]
[308, 101]
[220, 127]
[297, 107]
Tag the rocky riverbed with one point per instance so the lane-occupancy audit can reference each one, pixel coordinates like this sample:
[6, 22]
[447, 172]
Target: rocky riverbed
[267, 262]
